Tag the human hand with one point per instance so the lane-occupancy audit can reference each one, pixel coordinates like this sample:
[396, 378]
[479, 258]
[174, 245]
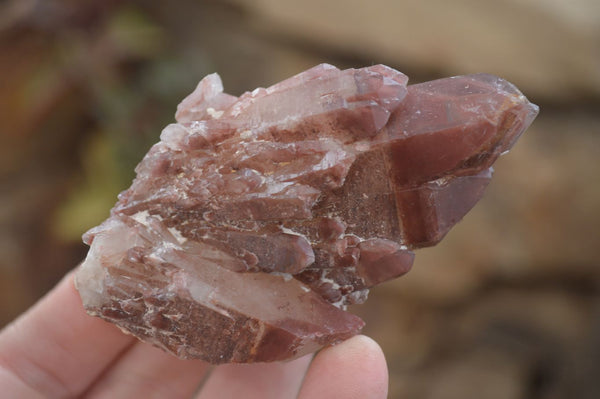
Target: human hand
[55, 350]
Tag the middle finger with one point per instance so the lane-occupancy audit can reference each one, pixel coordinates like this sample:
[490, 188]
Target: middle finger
[148, 372]
[279, 380]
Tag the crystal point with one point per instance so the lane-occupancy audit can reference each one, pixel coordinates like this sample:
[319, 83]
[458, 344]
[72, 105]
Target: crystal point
[256, 220]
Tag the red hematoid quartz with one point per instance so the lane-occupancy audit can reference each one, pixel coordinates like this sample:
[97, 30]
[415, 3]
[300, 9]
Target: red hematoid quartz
[256, 219]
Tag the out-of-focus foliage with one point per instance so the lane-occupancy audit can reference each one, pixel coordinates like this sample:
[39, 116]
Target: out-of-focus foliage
[89, 202]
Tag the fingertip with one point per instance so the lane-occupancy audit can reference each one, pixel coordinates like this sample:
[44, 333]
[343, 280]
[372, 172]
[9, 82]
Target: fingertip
[361, 346]
[355, 368]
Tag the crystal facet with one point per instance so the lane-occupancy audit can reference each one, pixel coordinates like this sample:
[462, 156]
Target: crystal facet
[256, 220]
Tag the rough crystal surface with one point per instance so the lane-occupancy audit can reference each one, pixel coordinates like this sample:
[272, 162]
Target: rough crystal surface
[256, 220]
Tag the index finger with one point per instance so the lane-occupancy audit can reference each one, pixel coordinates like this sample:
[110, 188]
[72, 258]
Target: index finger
[55, 349]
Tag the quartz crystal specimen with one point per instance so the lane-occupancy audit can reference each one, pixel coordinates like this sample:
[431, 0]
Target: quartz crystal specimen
[257, 219]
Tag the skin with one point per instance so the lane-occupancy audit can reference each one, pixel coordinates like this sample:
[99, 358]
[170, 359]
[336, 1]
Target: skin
[55, 350]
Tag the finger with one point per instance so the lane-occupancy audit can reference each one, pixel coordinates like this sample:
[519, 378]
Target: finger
[354, 369]
[148, 372]
[262, 380]
[55, 348]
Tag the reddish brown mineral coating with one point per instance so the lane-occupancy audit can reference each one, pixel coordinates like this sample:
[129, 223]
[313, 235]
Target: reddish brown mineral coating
[255, 220]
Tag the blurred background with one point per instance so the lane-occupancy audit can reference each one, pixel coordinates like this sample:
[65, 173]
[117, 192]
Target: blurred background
[508, 306]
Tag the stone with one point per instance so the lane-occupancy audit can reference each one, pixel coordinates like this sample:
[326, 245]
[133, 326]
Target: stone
[444, 37]
[256, 221]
